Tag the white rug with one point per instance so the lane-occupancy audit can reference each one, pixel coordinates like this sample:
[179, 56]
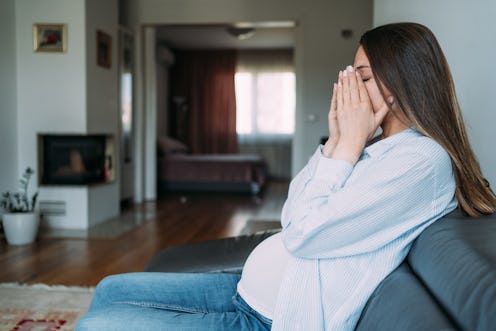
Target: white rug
[41, 307]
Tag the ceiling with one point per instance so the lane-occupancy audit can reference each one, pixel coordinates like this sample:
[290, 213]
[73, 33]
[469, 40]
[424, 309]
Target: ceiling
[266, 36]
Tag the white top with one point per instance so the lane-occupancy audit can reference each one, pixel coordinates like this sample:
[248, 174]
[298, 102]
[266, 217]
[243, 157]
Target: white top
[262, 275]
[347, 227]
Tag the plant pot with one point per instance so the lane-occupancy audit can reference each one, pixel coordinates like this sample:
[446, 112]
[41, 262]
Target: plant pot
[20, 228]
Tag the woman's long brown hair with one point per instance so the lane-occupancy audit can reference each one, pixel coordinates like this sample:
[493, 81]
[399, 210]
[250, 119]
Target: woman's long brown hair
[407, 59]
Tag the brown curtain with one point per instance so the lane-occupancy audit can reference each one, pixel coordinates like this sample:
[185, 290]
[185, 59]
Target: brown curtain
[205, 79]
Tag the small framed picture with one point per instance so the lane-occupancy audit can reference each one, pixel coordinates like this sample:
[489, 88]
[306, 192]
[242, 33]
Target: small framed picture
[103, 49]
[50, 38]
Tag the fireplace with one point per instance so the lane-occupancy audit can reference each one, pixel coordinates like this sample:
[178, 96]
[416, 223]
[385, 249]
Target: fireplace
[75, 159]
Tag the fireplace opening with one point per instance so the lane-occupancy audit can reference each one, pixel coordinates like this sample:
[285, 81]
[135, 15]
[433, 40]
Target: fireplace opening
[75, 159]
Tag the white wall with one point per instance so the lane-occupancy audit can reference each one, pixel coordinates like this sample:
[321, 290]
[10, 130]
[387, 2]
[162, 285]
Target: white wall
[76, 206]
[466, 31]
[8, 101]
[102, 83]
[102, 96]
[51, 89]
[67, 93]
[320, 51]
[51, 86]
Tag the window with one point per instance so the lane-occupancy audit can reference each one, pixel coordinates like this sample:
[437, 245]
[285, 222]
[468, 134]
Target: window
[265, 95]
[265, 102]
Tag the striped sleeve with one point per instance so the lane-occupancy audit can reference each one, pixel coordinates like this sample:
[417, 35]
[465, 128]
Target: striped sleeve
[300, 181]
[391, 196]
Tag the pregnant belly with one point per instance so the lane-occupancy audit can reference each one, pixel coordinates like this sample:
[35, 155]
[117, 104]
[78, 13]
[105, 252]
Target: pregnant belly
[262, 275]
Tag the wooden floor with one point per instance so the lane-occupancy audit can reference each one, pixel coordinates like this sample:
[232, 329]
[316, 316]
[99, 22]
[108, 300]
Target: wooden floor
[174, 219]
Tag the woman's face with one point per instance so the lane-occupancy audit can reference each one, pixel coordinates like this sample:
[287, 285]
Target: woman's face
[363, 66]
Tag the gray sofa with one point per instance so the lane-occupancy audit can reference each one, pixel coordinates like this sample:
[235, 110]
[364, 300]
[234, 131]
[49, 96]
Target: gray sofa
[447, 281]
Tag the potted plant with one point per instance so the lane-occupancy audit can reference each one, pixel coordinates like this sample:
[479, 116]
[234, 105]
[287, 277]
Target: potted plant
[20, 222]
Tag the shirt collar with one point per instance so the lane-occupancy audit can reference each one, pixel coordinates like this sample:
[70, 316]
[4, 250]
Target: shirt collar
[379, 146]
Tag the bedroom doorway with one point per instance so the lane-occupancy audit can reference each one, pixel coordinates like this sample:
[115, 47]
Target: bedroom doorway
[264, 92]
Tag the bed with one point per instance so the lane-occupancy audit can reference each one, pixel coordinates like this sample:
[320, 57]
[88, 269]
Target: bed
[179, 171]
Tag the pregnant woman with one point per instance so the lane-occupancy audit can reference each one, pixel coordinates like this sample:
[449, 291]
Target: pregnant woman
[351, 214]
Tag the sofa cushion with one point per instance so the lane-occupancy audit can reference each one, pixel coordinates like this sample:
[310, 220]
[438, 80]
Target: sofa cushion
[456, 260]
[221, 255]
[401, 302]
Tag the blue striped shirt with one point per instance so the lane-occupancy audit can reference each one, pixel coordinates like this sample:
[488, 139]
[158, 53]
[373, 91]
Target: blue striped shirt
[347, 227]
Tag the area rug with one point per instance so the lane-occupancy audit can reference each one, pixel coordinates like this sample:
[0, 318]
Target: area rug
[41, 307]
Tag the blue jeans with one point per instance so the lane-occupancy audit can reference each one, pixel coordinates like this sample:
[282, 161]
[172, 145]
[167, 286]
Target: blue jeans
[168, 301]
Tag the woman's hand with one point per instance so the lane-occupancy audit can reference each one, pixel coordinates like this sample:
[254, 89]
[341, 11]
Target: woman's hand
[356, 119]
[333, 125]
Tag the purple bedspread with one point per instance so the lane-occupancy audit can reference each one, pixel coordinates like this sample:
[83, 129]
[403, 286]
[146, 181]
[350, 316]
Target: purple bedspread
[212, 168]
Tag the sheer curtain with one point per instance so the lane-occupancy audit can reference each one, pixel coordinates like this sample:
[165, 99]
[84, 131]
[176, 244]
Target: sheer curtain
[203, 87]
[265, 103]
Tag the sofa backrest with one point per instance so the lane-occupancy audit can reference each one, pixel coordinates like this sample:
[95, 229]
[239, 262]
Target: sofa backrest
[447, 282]
[456, 260]
[401, 302]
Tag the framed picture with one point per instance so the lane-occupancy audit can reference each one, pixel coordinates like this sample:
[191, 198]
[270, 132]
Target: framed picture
[50, 37]
[103, 49]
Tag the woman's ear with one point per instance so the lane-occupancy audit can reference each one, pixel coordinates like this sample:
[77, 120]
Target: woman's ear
[390, 100]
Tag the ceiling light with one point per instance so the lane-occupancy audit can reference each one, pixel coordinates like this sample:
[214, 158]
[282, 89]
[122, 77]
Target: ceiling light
[240, 33]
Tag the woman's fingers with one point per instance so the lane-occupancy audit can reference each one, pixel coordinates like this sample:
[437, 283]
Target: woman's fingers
[352, 78]
[346, 87]
[333, 100]
[333, 124]
[339, 93]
